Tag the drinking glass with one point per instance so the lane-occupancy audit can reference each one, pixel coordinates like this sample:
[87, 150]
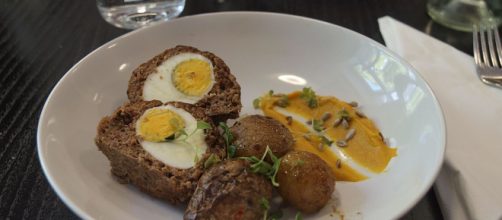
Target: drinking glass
[463, 14]
[132, 14]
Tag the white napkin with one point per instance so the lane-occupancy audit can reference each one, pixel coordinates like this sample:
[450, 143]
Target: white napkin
[469, 185]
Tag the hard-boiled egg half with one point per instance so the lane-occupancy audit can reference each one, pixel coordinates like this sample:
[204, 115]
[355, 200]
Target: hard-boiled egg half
[186, 77]
[170, 135]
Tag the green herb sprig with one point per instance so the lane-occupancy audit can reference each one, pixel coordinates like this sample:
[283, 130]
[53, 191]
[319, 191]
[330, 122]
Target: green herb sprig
[229, 138]
[262, 167]
[298, 216]
[275, 215]
[256, 103]
[182, 135]
[265, 205]
[344, 114]
[211, 160]
[283, 101]
[325, 140]
[318, 125]
[310, 97]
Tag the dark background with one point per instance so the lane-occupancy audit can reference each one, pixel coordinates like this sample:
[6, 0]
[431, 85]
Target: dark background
[41, 39]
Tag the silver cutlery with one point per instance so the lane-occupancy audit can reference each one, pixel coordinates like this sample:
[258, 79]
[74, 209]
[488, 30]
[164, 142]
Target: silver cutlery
[488, 54]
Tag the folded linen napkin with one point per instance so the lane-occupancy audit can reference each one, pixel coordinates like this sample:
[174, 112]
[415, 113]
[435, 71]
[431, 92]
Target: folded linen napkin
[469, 185]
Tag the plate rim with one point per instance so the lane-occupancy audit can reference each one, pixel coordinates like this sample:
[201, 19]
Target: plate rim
[81, 213]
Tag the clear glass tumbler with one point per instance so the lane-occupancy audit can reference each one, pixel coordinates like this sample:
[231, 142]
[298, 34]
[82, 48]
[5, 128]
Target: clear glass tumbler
[132, 14]
[463, 14]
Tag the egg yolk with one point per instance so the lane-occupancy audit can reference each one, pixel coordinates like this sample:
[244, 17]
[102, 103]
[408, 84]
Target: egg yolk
[157, 125]
[192, 77]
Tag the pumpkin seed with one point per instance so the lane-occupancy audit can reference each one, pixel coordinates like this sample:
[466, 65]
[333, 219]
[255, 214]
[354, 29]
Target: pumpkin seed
[326, 116]
[360, 114]
[350, 134]
[320, 147]
[337, 122]
[345, 124]
[341, 143]
[306, 137]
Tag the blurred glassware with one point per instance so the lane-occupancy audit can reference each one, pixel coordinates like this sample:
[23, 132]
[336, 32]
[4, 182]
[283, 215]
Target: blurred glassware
[463, 14]
[132, 14]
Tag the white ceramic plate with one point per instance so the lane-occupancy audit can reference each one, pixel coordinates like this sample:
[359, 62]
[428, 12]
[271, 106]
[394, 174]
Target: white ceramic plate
[259, 48]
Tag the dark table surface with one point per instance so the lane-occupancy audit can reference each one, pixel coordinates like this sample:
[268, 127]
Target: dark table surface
[40, 40]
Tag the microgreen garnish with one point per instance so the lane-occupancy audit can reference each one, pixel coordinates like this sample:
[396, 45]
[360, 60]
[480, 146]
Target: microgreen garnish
[309, 96]
[298, 216]
[265, 205]
[344, 114]
[276, 215]
[317, 125]
[211, 160]
[325, 140]
[256, 103]
[270, 92]
[182, 135]
[229, 138]
[283, 101]
[231, 151]
[262, 167]
[203, 125]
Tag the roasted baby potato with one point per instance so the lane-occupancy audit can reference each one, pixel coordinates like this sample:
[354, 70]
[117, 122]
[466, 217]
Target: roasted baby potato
[305, 181]
[255, 132]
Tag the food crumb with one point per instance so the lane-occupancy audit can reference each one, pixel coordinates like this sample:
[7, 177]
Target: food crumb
[289, 120]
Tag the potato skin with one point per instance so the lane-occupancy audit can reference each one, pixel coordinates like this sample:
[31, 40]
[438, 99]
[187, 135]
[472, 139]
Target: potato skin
[254, 133]
[305, 181]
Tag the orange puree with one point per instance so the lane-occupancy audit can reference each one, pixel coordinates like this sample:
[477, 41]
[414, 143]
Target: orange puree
[366, 148]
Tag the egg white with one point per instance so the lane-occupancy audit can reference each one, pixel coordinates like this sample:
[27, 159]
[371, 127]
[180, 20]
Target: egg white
[159, 85]
[177, 153]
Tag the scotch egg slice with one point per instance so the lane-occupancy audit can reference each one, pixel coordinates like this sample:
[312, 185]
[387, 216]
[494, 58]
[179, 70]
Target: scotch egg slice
[160, 133]
[186, 77]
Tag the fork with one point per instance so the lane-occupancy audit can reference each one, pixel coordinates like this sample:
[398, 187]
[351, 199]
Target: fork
[488, 54]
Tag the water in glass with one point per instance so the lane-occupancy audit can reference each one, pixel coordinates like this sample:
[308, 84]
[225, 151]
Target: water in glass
[132, 14]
